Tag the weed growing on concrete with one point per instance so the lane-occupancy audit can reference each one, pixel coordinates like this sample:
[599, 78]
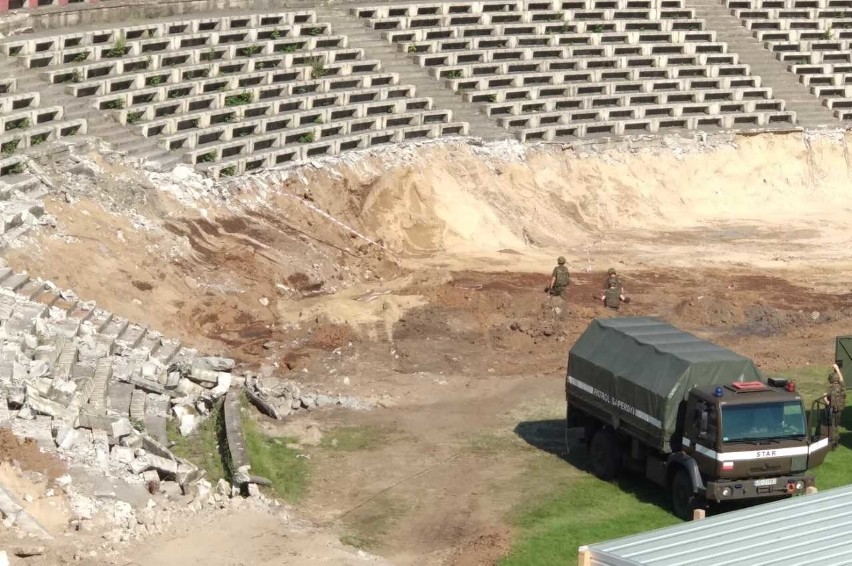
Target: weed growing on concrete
[154, 81]
[21, 124]
[115, 104]
[119, 48]
[229, 171]
[9, 147]
[597, 28]
[249, 51]
[318, 69]
[16, 169]
[239, 99]
[454, 75]
[208, 157]
[80, 57]
[827, 34]
[412, 48]
[306, 138]
[275, 34]
[38, 139]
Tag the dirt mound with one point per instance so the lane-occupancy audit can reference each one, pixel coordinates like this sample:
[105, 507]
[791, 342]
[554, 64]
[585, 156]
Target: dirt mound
[25, 453]
[710, 311]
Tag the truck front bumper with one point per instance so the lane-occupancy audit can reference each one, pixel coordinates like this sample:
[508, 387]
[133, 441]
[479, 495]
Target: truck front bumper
[730, 490]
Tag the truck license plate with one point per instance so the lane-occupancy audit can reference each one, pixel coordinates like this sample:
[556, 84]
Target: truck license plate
[769, 481]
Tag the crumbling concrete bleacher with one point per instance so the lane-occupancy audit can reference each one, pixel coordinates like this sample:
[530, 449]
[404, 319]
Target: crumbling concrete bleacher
[237, 93]
[25, 123]
[71, 373]
[813, 38]
[588, 67]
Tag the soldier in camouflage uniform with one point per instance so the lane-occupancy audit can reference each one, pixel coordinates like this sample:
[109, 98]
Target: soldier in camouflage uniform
[612, 297]
[560, 278]
[835, 401]
[611, 275]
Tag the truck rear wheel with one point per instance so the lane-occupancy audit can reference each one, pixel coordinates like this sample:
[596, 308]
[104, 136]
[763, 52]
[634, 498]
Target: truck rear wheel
[684, 499]
[604, 453]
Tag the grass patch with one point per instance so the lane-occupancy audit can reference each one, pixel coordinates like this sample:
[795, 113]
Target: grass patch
[586, 511]
[352, 438]
[270, 458]
[368, 526]
[203, 446]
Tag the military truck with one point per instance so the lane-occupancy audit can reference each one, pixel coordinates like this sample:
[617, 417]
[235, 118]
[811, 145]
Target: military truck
[695, 418]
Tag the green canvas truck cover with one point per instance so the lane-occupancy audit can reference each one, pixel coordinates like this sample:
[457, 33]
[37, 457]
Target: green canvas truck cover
[641, 369]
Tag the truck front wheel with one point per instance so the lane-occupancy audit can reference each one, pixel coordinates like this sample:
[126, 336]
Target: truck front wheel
[684, 499]
[604, 453]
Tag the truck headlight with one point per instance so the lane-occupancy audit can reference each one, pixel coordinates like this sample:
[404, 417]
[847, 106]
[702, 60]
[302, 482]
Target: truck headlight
[726, 492]
[800, 485]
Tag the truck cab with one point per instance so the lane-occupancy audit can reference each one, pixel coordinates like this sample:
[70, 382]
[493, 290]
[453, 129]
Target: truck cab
[749, 440]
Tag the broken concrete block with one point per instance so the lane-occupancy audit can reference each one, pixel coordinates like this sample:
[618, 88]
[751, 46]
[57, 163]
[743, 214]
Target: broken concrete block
[172, 379]
[66, 437]
[42, 405]
[132, 440]
[205, 377]
[152, 481]
[121, 428]
[139, 465]
[122, 454]
[223, 488]
[222, 385]
[186, 473]
[162, 464]
[214, 363]
[253, 490]
[187, 424]
[203, 489]
[187, 388]
[101, 442]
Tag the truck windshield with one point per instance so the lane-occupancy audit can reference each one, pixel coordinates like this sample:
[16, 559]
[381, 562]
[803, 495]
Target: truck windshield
[762, 421]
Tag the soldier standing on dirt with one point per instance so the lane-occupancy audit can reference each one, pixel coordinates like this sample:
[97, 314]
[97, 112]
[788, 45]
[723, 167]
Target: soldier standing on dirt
[835, 401]
[559, 279]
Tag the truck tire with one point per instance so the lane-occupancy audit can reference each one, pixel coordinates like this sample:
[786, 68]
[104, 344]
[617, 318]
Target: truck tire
[684, 498]
[604, 454]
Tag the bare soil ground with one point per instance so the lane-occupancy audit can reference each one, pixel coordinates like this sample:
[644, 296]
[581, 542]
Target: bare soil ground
[449, 327]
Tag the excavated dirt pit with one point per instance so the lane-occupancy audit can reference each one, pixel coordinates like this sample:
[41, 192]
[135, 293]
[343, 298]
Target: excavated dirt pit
[426, 293]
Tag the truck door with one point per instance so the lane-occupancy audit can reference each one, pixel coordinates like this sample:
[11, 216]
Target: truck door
[701, 433]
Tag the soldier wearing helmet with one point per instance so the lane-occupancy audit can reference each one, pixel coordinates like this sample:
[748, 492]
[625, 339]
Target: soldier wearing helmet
[613, 281]
[835, 401]
[559, 279]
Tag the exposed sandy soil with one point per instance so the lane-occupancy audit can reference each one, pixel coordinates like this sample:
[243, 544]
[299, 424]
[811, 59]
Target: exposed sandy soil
[448, 323]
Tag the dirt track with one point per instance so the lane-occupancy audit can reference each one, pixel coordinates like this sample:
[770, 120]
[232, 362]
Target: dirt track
[450, 329]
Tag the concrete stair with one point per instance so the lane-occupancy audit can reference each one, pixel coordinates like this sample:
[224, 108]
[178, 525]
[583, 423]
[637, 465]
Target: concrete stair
[785, 85]
[99, 124]
[394, 61]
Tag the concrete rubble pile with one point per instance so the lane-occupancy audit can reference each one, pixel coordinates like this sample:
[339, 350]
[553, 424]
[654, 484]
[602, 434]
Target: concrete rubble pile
[278, 398]
[98, 387]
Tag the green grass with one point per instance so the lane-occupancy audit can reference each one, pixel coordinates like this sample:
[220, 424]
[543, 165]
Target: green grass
[202, 447]
[367, 527]
[579, 509]
[585, 511]
[270, 458]
[352, 438]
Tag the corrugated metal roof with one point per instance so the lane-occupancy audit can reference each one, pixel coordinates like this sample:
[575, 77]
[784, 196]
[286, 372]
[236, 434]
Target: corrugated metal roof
[807, 531]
